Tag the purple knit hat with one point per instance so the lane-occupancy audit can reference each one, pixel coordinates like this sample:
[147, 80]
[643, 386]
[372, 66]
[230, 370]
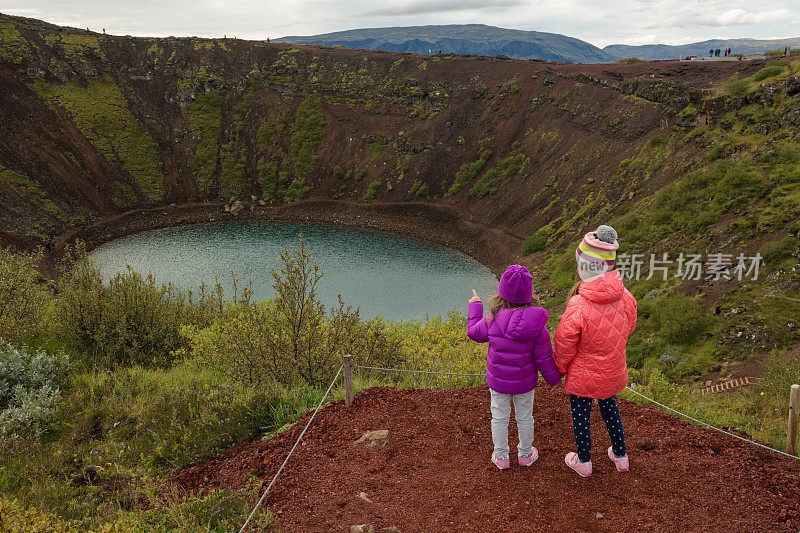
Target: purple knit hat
[516, 285]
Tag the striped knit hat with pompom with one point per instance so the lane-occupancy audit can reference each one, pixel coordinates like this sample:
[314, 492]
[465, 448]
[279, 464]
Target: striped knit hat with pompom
[597, 252]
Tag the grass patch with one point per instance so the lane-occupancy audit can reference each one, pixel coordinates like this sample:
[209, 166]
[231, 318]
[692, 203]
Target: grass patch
[537, 241]
[510, 167]
[372, 190]
[468, 172]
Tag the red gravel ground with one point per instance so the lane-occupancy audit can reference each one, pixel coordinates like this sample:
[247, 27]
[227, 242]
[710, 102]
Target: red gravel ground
[435, 474]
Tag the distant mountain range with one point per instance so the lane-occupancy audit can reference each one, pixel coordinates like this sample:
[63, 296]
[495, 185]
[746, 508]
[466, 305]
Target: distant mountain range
[521, 44]
[464, 39]
[737, 46]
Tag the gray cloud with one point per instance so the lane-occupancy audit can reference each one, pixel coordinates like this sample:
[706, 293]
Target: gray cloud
[423, 7]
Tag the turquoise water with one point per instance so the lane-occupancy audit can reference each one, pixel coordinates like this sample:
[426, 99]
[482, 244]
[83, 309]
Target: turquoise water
[388, 275]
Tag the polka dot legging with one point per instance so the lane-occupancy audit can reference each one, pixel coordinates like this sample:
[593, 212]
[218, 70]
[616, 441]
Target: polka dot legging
[581, 425]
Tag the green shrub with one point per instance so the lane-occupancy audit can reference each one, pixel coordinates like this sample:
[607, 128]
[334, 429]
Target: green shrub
[376, 149]
[679, 319]
[373, 188]
[16, 517]
[130, 321]
[468, 172]
[297, 189]
[24, 297]
[631, 60]
[537, 241]
[162, 421]
[776, 252]
[216, 510]
[768, 72]
[30, 387]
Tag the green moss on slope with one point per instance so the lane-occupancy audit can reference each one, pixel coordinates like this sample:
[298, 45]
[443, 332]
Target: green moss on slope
[13, 47]
[101, 113]
[204, 122]
[307, 132]
[510, 167]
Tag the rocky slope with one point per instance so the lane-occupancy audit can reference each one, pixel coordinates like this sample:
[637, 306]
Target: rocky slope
[94, 125]
[680, 156]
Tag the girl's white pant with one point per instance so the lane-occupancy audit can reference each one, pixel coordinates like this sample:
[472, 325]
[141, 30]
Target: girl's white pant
[501, 414]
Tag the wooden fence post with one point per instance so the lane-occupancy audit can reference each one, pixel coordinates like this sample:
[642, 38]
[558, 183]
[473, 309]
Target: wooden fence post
[347, 376]
[794, 411]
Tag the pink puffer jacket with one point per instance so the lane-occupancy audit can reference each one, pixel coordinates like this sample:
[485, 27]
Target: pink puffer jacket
[591, 337]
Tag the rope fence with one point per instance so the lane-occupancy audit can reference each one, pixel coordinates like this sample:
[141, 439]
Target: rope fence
[348, 367]
[275, 477]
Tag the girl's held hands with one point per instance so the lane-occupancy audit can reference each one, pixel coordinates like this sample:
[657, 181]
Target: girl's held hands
[475, 297]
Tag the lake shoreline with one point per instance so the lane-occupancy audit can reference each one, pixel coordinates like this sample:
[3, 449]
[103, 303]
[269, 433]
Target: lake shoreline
[442, 225]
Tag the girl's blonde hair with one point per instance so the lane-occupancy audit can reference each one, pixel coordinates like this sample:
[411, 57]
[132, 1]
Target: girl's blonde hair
[574, 290]
[496, 303]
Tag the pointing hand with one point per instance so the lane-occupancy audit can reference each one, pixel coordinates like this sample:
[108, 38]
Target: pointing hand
[475, 297]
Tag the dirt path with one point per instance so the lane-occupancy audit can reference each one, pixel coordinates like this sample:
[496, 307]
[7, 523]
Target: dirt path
[435, 475]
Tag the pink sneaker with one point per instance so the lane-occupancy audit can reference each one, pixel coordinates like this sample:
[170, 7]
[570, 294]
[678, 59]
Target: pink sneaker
[502, 464]
[528, 460]
[622, 463]
[583, 469]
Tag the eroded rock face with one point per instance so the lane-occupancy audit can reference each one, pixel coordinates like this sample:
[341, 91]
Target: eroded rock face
[792, 86]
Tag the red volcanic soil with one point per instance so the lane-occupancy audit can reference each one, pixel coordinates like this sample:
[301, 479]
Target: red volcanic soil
[435, 474]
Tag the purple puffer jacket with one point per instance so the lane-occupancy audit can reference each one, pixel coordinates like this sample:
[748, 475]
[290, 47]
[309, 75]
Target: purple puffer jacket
[519, 347]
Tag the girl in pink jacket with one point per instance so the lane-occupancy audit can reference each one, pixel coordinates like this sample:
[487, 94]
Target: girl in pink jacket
[590, 347]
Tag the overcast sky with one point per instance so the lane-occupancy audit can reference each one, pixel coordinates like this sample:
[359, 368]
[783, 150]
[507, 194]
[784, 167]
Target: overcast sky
[600, 22]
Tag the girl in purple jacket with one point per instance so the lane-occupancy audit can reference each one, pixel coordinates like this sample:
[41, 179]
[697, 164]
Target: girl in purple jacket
[519, 349]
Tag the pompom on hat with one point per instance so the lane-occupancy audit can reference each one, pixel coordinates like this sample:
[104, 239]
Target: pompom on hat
[597, 252]
[516, 285]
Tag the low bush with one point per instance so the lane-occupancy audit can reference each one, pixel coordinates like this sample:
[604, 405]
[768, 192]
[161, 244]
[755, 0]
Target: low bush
[217, 510]
[130, 321]
[768, 72]
[537, 241]
[679, 319]
[419, 189]
[30, 387]
[689, 114]
[737, 87]
[16, 518]
[306, 132]
[290, 338]
[24, 296]
[776, 252]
